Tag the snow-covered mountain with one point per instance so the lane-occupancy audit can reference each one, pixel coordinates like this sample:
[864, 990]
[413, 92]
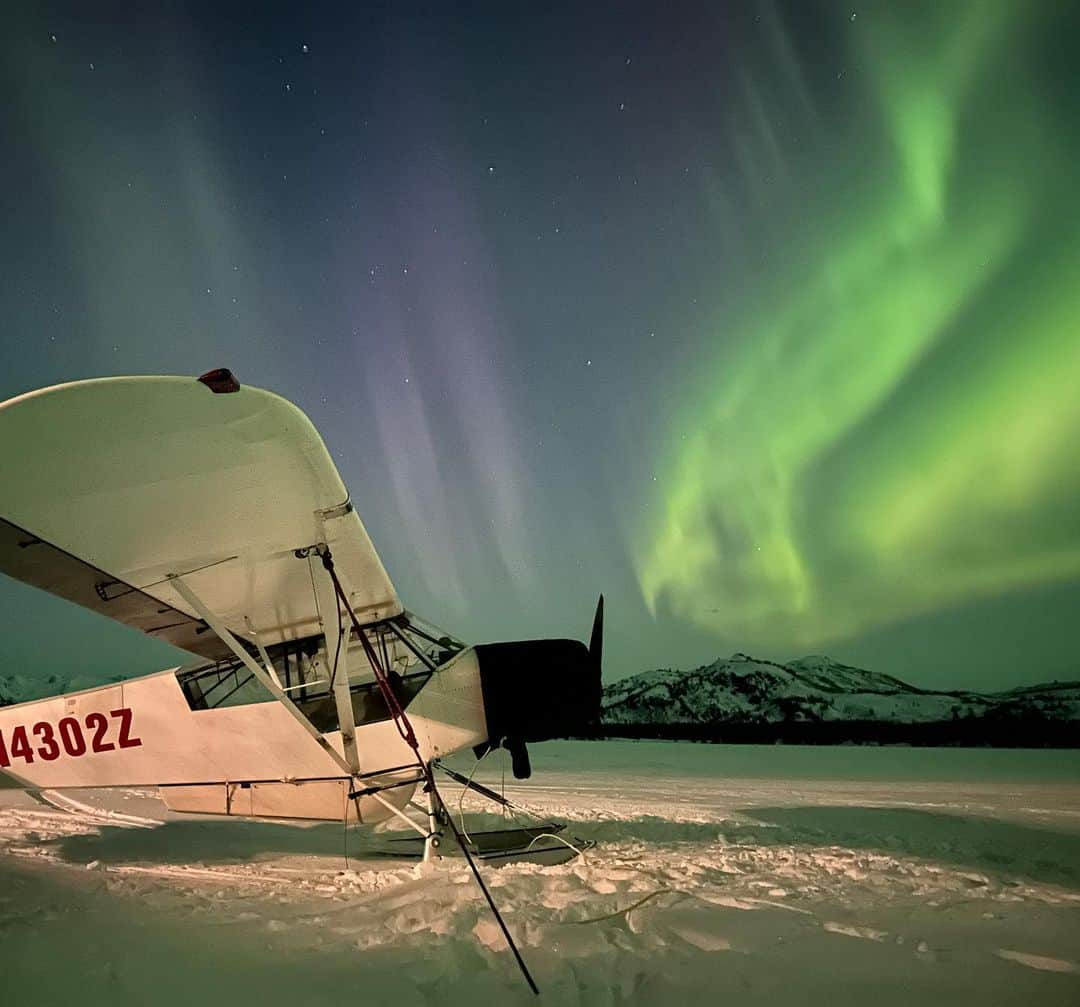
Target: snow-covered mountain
[747, 690]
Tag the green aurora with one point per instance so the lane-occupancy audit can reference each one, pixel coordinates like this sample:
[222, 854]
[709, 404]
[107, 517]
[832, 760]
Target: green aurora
[891, 421]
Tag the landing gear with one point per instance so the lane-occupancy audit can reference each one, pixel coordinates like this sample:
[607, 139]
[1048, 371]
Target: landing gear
[436, 816]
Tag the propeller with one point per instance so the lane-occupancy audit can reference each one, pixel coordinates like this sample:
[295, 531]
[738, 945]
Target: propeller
[596, 654]
[596, 640]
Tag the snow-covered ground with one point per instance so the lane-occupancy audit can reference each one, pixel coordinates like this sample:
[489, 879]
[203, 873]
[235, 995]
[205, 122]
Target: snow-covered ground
[759, 875]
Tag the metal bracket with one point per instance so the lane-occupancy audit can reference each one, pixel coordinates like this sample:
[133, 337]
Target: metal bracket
[339, 511]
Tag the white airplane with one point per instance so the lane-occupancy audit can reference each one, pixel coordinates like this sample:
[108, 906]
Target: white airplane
[211, 516]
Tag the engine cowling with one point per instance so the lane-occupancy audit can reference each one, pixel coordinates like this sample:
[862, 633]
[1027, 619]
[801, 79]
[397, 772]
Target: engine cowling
[535, 690]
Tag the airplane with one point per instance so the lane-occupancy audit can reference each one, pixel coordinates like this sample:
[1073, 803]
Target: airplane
[210, 515]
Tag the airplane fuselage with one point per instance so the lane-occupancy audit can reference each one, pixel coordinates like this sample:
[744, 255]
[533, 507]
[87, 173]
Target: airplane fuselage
[249, 759]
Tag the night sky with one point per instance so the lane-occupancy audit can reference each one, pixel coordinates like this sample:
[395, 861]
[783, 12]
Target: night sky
[761, 318]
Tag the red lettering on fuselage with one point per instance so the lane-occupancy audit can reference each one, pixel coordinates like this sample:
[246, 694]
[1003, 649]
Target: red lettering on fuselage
[126, 740]
[68, 737]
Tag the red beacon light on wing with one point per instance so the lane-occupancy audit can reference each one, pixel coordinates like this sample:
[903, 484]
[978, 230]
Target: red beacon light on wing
[220, 381]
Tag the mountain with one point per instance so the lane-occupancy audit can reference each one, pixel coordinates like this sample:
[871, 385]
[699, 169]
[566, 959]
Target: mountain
[817, 699]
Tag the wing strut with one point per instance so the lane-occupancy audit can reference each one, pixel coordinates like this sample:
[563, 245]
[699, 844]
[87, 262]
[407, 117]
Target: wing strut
[337, 654]
[252, 665]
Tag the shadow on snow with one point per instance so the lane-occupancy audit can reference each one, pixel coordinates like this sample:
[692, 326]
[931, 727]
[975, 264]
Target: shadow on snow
[980, 844]
[218, 841]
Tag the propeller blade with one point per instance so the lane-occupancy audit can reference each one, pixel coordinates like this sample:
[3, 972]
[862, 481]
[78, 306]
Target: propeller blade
[596, 641]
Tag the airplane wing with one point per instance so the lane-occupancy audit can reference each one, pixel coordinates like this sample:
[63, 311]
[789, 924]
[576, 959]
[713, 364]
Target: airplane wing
[113, 484]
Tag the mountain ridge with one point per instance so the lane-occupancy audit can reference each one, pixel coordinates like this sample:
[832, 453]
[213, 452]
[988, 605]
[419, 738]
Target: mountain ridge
[815, 695]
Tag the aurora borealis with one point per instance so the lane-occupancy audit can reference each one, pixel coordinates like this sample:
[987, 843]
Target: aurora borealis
[894, 425]
[761, 318]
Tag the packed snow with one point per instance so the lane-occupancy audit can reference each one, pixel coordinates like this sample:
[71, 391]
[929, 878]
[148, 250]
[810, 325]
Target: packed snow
[750, 875]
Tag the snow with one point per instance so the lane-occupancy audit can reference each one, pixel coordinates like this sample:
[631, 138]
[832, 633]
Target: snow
[1037, 961]
[755, 875]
